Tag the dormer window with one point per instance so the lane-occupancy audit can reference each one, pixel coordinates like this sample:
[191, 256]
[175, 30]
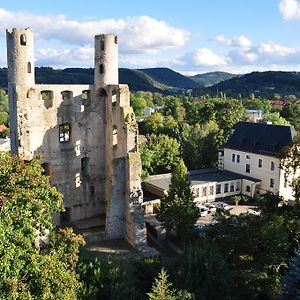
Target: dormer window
[23, 40]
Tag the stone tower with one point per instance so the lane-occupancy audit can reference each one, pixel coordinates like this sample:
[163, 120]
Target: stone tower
[106, 60]
[86, 136]
[20, 60]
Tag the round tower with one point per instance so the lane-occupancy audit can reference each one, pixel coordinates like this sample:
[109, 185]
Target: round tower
[106, 60]
[20, 57]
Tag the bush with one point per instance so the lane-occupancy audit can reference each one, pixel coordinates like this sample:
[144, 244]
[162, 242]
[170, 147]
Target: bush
[235, 200]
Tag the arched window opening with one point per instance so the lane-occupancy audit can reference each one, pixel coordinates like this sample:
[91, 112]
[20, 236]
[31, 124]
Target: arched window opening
[101, 69]
[103, 93]
[23, 40]
[116, 40]
[115, 136]
[29, 67]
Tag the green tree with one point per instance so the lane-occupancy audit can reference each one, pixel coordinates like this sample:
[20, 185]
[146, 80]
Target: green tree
[38, 260]
[177, 210]
[290, 162]
[199, 144]
[159, 154]
[161, 288]
[291, 112]
[291, 280]
[201, 269]
[138, 105]
[257, 250]
[276, 119]
[154, 123]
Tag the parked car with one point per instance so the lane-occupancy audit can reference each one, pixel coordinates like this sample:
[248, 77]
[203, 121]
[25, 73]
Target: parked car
[203, 211]
[211, 207]
[222, 205]
[254, 211]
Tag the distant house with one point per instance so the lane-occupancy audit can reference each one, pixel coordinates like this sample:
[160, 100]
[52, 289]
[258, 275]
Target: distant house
[248, 164]
[254, 115]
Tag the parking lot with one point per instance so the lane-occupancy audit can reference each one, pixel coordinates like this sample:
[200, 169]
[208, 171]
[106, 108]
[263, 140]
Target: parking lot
[234, 210]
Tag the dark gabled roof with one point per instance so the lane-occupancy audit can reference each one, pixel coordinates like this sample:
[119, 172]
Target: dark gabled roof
[260, 138]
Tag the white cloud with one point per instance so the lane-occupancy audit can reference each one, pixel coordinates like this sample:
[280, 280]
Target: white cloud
[290, 9]
[64, 57]
[275, 49]
[243, 56]
[240, 41]
[203, 57]
[141, 34]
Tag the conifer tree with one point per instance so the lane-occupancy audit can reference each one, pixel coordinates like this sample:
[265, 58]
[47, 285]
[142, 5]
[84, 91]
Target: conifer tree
[161, 288]
[177, 210]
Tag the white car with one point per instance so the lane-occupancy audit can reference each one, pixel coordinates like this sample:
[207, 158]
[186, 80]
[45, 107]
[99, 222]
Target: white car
[222, 205]
[211, 207]
[203, 211]
[254, 212]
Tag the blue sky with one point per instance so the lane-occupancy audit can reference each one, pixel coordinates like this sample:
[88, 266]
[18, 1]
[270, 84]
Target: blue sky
[191, 36]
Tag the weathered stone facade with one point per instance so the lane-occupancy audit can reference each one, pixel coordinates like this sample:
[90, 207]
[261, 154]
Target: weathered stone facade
[85, 134]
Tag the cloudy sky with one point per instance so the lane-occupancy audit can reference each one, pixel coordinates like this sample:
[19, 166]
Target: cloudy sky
[191, 36]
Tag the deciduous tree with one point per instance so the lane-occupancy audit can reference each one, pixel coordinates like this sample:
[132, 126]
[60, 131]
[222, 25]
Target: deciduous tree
[38, 260]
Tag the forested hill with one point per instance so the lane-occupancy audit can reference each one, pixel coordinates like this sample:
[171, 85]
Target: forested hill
[212, 78]
[161, 80]
[164, 80]
[264, 84]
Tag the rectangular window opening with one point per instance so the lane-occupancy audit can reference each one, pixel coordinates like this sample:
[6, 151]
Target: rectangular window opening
[218, 189]
[233, 157]
[247, 168]
[232, 187]
[64, 133]
[226, 188]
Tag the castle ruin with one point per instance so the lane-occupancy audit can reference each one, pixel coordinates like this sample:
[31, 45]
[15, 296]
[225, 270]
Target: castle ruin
[86, 136]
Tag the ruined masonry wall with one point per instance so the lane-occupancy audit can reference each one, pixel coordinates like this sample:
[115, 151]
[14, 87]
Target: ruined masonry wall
[88, 144]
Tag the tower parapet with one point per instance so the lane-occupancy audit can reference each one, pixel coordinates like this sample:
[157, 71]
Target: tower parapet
[106, 60]
[20, 57]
